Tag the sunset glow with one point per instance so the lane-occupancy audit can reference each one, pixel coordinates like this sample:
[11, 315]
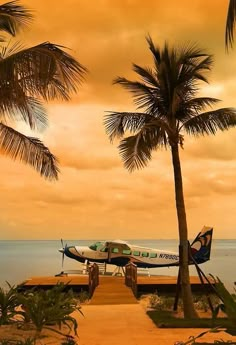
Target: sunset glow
[95, 197]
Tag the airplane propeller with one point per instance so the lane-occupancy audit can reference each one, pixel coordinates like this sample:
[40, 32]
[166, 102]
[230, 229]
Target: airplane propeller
[63, 251]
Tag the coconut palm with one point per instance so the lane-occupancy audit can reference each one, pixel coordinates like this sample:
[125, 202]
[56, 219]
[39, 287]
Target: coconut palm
[28, 76]
[167, 107]
[230, 22]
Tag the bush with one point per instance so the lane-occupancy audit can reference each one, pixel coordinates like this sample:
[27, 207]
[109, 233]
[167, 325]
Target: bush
[160, 302]
[51, 307]
[83, 296]
[201, 302]
[8, 303]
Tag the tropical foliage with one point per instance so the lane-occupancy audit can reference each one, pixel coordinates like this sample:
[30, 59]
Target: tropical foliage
[27, 77]
[46, 308]
[230, 24]
[167, 107]
[228, 305]
[8, 304]
[40, 309]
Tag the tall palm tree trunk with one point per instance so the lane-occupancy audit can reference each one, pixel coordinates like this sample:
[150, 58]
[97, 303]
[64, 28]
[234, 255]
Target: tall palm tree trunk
[189, 311]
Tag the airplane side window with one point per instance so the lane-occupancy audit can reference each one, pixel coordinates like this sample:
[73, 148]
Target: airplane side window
[153, 255]
[126, 251]
[145, 254]
[115, 250]
[136, 253]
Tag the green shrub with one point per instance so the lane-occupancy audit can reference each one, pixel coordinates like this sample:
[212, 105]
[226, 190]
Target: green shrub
[160, 302]
[83, 296]
[51, 307]
[201, 302]
[8, 303]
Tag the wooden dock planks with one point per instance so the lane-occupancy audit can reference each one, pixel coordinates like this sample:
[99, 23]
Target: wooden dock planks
[77, 283]
[112, 291]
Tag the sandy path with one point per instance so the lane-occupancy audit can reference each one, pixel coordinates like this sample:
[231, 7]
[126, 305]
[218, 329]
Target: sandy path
[119, 324]
[129, 324]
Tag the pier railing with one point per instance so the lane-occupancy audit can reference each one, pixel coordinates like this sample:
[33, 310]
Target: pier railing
[93, 278]
[131, 277]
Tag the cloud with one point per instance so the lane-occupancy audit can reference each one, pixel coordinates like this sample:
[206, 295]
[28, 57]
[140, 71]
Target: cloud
[95, 196]
[108, 37]
[219, 147]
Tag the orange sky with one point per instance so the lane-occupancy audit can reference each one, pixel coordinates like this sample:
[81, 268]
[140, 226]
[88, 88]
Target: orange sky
[95, 196]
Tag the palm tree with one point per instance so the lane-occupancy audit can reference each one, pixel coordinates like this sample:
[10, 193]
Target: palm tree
[230, 22]
[28, 76]
[167, 107]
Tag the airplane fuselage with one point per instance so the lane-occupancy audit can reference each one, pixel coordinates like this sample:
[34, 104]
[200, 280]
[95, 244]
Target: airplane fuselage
[141, 256]
[120, 253]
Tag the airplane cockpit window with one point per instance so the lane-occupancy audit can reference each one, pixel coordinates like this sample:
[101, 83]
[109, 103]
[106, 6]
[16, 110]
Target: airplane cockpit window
[126, 251]
[96, 246]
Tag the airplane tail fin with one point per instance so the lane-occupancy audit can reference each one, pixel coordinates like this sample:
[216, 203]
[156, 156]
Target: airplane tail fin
[201, 246]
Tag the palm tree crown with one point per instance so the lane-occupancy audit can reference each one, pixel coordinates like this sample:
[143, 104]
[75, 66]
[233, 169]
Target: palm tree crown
[27, 77]
[230, 23]
[166, 94]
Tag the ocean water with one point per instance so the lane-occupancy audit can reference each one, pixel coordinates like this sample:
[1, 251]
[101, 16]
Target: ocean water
[20, 260]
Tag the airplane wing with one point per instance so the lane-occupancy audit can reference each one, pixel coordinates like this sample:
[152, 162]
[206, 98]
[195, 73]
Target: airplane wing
[117, 244]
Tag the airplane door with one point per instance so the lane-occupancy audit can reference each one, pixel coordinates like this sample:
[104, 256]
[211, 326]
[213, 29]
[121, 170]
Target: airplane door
[102, 254]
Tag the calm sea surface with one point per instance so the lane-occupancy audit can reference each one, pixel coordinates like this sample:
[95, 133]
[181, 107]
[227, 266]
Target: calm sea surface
[20, 260]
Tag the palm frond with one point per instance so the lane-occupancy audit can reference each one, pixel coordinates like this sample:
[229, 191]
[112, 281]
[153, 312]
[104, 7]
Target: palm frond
[134, 152]
[155, 50]
[29, 150]
[13, 16]
[16, 105]
[145, 97]
[193, 106]
[45, 70]
[210, 122]
[117, 123]
[147, 75]
[194, 70]
[190, 53]
[230, 23]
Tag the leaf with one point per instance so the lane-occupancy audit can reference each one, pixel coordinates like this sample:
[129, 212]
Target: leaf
[13, 16]
[29, 150]
[230, 23]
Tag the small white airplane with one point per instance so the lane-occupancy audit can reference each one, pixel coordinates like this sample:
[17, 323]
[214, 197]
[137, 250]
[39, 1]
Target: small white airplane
[120, 253]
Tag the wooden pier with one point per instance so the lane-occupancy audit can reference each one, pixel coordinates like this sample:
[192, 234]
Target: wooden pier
[75, 282]
[113, 287]
[112, 291]
[168, 284]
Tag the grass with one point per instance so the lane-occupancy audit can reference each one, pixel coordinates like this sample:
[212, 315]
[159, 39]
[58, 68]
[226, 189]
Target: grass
[166, 319]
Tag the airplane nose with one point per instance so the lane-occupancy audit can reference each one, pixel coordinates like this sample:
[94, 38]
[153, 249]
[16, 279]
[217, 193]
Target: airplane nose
[61, 250]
